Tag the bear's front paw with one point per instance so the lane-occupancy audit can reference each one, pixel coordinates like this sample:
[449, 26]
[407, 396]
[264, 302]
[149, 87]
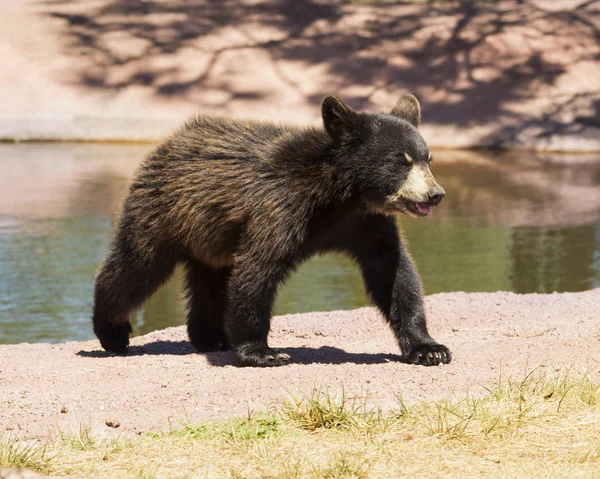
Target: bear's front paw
[262, 356]
[429, 355]
[114, 338]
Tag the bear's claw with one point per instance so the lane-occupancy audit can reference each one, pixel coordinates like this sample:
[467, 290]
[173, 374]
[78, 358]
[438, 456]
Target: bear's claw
[429, 355]
[262, 357]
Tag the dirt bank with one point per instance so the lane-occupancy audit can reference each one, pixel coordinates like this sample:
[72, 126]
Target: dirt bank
[513, 74]
[49, 388]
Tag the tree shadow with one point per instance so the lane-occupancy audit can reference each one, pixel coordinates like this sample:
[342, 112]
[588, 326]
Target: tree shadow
[300, 355]
[462, 58]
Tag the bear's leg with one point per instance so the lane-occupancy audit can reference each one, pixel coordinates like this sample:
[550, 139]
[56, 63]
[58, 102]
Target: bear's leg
[207, 298]
[124, 282]
[252, 288]
[395, 287]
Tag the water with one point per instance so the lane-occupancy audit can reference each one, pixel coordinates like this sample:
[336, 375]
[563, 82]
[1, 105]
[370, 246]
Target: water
[509, 222]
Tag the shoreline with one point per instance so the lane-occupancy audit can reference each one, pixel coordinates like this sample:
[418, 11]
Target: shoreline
[593, 154]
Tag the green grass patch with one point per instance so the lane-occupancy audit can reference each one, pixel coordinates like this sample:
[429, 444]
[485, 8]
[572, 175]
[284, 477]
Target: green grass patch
[23, 455]
[536, 427]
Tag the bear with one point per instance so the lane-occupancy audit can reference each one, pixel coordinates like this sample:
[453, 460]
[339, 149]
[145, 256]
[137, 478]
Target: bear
[242, 203]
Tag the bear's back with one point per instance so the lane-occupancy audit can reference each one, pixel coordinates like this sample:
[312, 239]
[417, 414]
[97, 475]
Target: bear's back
[206, 138]
[203, 185]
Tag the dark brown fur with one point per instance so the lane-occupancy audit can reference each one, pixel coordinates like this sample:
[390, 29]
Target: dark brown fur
[242, 203]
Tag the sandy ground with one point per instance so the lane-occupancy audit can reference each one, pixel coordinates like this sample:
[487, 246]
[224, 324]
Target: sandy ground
[517, 74]
[47, 388]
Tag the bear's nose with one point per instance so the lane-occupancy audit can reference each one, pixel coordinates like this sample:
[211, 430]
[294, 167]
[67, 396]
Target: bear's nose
[435, 195]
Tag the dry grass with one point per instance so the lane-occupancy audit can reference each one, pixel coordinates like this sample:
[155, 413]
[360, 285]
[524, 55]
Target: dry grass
[537, 427]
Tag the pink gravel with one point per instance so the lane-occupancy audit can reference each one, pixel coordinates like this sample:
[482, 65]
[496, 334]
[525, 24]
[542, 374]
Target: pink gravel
[164, 383]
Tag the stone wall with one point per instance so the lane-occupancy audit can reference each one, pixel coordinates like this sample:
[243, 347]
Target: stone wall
[511, 74]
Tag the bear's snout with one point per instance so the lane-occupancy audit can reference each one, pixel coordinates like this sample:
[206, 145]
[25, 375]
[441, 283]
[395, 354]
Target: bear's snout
[435, 195]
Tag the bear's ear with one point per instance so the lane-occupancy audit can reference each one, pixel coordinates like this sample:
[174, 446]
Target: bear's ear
[339, 119]
[408, 108]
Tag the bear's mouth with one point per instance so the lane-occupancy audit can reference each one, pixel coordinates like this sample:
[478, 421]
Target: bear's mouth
[419, 209]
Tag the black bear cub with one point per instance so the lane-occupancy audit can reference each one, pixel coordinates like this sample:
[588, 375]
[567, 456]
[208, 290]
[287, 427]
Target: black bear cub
[242, 203]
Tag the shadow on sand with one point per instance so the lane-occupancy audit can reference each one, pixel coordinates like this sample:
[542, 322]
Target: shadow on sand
[300, 355]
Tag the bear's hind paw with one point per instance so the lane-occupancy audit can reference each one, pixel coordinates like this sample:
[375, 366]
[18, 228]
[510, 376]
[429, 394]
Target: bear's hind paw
[114, 338]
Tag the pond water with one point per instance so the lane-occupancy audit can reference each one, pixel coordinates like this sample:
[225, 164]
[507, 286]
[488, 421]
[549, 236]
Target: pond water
[514, 222]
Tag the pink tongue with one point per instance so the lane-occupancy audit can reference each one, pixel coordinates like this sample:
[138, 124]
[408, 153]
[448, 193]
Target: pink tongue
[423, 209]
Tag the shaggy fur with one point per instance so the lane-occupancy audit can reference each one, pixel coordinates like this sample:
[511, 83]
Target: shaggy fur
[242, 203]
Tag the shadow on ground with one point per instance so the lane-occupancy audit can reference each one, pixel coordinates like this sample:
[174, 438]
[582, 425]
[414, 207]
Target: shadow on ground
[471, 63]
[300, 355]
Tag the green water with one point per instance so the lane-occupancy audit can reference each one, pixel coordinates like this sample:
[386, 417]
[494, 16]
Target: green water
[509, 222]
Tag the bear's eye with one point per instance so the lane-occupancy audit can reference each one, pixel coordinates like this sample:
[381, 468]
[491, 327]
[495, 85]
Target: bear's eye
[429, 158]
[406, 159]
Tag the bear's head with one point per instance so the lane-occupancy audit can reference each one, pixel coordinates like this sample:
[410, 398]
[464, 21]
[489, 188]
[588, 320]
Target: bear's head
[384, 156]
